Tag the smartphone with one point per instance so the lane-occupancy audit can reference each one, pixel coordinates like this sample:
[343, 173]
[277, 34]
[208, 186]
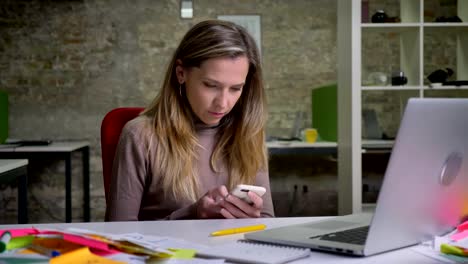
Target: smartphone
[241, 191]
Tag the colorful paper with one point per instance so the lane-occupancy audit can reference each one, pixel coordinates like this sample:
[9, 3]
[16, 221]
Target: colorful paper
[459, 236]
[182, 253]
[82, 256]
[453, 250]
[19, 242]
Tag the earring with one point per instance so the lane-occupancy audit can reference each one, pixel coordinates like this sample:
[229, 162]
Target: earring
[180, 89]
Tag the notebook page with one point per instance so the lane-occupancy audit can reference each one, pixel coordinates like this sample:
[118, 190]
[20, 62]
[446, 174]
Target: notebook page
[251, 252]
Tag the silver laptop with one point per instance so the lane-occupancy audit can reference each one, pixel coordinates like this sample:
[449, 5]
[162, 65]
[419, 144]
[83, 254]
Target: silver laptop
[424, 192]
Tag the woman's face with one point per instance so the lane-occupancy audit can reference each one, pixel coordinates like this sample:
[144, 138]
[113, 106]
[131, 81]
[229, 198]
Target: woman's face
[215, 87]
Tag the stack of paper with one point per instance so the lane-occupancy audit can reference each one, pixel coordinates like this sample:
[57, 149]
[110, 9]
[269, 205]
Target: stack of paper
[451, 248]
[457, 243]
[62, 246]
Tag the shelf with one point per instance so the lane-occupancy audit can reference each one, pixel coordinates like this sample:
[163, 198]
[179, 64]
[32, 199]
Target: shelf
[413, 88]
[461, 25]
[390, 88]
[446, 87]
[417, 46]
[391, 25]
[399, 27]
[447, 28]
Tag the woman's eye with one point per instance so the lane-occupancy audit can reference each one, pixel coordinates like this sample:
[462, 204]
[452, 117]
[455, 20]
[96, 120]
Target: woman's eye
[210, 85]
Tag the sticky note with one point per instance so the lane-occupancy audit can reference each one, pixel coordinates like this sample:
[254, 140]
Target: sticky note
[58, 244]
[449, 249]
[82, 256]
[19, 242]
[463, 226]
[20, 232]
[459, 236]
[181, 253]
[4, 240]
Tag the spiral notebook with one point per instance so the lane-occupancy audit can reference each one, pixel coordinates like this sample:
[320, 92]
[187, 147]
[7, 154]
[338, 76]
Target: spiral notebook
[252, 252]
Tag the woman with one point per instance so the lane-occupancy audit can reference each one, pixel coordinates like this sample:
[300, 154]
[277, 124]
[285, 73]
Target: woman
[200, 137]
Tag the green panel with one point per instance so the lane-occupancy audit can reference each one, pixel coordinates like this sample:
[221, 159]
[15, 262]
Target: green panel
[324, 112]
[3, 116]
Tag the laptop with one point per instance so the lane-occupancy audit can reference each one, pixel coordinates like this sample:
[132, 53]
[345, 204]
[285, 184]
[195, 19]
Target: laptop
[424, 191]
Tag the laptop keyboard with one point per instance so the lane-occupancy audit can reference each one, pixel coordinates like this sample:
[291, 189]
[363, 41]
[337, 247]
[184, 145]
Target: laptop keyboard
[352, 236]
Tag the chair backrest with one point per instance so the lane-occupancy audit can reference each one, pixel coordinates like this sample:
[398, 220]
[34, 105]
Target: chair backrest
[111, 128]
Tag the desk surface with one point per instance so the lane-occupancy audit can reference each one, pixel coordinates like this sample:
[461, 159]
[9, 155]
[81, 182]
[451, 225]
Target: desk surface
[11, 164]
[366, 143]
[59, 146]
[300, 144]
[197, 231]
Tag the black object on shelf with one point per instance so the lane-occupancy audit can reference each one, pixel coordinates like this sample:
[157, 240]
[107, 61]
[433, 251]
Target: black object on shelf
[399, 78]
[440, 76]
[456, 83]
[451, 19]
[379, 17]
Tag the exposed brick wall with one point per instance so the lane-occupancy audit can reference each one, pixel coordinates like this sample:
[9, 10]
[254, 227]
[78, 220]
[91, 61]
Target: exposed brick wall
[67, 63]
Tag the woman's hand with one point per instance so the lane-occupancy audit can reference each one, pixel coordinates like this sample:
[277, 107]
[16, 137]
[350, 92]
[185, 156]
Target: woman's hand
[234, 207]
[209, 205]
[218, 203]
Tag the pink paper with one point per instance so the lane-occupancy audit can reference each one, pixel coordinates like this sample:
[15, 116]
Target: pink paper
[91, 243]
[20, 232]
[459, 236]
[98, 247]
[463, 226]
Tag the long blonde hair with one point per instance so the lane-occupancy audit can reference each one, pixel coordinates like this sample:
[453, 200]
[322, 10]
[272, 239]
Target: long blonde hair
[241, 134]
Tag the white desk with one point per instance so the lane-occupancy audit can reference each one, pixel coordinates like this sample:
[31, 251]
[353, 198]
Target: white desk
[324, 147]
[16, 169]
[197, 231]
[59, 150]
[299, 147]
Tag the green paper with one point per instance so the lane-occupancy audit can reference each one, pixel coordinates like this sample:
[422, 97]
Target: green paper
[182, 253]
[19, 242]
[179, 253]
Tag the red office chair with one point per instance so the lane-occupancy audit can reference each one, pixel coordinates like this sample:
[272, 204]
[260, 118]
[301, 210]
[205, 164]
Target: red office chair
[111, 128]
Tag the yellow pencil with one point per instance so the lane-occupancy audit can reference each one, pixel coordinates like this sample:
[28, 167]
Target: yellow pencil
[238, 230]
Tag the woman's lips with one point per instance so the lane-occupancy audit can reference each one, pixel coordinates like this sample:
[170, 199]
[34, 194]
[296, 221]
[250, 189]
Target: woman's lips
[216, 114]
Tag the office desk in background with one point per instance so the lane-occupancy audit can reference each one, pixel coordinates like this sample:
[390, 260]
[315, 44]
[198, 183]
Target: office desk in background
[16, 169]
[301, 148]
[304, 149]
[324, 147]
[63, 151]
[197, 231]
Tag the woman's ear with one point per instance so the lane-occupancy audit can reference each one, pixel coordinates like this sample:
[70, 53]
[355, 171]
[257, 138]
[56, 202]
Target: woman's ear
[179, 70]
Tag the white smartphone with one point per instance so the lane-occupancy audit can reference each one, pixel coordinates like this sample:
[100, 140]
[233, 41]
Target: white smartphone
[241, 191]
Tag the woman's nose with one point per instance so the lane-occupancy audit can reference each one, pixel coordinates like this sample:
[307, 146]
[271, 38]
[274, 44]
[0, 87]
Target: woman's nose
[222, 99]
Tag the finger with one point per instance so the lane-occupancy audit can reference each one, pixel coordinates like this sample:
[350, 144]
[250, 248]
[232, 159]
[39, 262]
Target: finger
[257, 201]
[226, 214]
[223, 191]
[238, 202]
[247, 209]
[207, 207]
[220, 193]
[234, 209]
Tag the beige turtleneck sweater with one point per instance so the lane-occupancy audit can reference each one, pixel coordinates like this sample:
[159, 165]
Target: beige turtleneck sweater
[136, 192]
